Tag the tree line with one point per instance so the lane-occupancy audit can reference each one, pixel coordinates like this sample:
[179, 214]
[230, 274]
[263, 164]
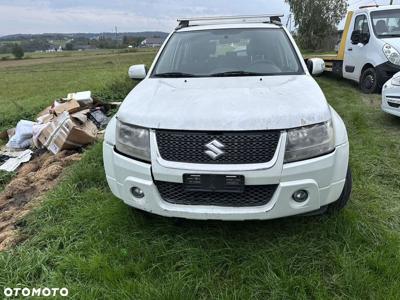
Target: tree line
[316, 20]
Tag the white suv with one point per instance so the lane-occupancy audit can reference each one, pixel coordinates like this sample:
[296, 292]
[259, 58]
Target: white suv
[228, 124]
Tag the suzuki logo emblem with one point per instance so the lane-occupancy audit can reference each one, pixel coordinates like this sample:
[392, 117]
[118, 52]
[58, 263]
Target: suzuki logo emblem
[215, 149]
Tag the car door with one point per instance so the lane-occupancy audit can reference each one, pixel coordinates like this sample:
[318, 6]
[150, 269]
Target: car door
[356, 48]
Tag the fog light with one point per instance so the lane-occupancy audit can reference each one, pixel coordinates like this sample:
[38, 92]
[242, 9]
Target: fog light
[300, 196]
[137, 193]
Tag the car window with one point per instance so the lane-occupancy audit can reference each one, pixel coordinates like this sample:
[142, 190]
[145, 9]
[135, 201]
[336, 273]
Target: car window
[386, 23]
[222, 51]
[361, 24]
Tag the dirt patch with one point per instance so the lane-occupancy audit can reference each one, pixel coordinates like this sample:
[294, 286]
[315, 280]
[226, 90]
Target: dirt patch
[23, 193]
[372, 100]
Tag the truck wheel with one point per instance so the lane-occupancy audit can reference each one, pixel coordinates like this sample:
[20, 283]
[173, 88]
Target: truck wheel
[369, 81]
[344, 197]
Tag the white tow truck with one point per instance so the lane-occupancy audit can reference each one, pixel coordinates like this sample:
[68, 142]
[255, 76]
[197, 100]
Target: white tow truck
[369, 49]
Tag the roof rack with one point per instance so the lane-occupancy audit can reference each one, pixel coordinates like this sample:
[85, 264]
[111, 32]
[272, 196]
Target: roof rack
[369, 6]
[269, 18]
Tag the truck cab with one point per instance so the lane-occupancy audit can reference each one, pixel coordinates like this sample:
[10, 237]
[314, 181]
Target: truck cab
[369, 50]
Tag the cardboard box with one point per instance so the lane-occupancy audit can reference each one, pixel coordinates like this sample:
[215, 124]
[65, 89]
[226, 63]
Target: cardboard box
[70, 107]
[45, 118]
[63, 133]
[48, 110]
[84, 98]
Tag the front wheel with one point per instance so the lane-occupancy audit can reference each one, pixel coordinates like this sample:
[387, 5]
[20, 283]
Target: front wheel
[369, 81]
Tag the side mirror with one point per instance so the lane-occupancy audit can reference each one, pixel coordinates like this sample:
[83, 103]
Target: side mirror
[365, 38]
[316, 66]
[137, 72]
[356, 37]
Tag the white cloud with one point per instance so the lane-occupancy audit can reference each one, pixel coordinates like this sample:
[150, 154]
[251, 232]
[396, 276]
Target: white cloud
[38, 16]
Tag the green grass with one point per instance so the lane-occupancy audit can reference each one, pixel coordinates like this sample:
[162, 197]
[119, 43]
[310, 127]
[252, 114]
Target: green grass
[5, 177]
[25, 90]
[85, 239]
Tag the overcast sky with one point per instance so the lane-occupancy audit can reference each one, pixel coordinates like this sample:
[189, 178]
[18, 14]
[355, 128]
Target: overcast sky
[40, 16]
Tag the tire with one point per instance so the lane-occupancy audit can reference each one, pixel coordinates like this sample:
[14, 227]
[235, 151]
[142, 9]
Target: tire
[369, 83]
[344, 198]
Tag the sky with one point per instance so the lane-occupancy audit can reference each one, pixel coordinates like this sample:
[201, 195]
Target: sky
[66, 16]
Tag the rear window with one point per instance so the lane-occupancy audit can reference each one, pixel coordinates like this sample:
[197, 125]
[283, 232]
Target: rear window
[243, 52]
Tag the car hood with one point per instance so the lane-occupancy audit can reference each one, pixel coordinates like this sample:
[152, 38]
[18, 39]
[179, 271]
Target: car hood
[230, 104]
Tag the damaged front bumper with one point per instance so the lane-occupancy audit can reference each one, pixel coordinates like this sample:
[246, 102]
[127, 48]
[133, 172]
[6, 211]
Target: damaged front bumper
[323, 178]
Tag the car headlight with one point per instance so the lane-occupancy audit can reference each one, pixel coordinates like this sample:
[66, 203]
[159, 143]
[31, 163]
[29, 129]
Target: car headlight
[391, 54]
[396, 80]
[133, 141]
[309, 142]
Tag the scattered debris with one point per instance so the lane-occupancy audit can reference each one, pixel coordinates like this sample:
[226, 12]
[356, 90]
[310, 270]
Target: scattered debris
[22, 139]
[14, 162]
[45, 147]
[4, 158]
[83, 98]
[65, 132]
[69, 123]
[99, 118]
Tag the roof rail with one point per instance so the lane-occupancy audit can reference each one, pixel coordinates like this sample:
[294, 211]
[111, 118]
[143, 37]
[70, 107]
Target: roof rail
[269, 18]
[368, 6]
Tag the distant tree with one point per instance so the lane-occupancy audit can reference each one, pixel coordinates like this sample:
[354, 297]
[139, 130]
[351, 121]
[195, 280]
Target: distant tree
[69, 46]
[316, 19]
[35, 44]
[17, 51]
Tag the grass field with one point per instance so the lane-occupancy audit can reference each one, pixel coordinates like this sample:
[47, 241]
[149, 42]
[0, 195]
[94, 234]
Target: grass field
[85, 239]
[28, 86]
[75, 53]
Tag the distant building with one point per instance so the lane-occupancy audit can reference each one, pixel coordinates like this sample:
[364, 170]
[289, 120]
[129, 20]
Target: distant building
[152, 42]
[54, 49]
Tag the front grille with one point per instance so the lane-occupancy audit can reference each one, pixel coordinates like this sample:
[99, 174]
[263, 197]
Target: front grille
[239, 147]
[253, 195]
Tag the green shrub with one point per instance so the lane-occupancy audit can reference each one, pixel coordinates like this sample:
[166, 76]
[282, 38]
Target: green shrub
[17, 51]
[116, 91]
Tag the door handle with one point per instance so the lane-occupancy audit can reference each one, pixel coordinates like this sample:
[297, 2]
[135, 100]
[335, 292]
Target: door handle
[350, 49]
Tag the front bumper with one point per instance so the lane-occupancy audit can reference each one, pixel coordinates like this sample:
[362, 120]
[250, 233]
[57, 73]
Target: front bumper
[391, 99]
[322, 177]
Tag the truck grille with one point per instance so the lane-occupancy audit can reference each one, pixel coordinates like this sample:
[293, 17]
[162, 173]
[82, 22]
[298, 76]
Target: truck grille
[238, 147]
[253, 195]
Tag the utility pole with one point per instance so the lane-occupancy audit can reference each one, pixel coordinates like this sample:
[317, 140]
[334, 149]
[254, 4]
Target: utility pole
[391, 2]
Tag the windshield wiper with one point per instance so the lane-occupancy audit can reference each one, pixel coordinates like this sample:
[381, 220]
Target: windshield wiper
[236, 73]
[174, 75]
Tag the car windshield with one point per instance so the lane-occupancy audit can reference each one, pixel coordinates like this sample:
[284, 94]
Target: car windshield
[386, 23]
[228, 52]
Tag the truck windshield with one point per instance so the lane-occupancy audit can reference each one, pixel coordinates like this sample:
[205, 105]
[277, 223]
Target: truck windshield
[228, 53]
[386, 23]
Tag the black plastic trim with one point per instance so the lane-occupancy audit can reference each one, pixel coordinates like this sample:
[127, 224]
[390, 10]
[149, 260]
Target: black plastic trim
[386, 71]
[350, 69]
